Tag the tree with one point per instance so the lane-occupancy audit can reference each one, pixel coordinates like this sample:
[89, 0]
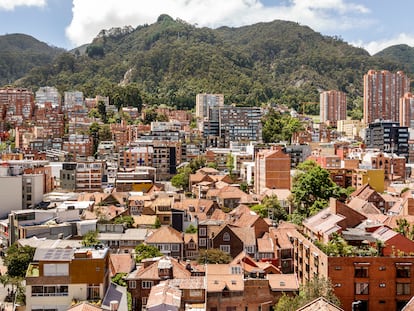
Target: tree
[157, 223]
[279, 127]
[143, 251]
[127, 221]
[90, 239]
[191, 229]
[314, 288]
[312, 188]
[17, 260]
[270, 207]
[182, 178]
[213, 255]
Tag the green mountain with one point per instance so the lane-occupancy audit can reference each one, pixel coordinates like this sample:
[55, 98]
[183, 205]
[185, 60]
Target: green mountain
[20, 53]
[399, 53]
[171, 61]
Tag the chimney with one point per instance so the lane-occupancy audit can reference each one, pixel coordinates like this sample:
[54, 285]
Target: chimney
[114, 305]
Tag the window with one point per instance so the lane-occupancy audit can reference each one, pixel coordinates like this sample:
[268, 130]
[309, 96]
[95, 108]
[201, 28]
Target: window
[132, 284]
[146, 284]
[225, 248]
[361, 288]
[226, 237]
[403, 288]
[175, 247]
[203, 242]
[202, 232]
[403, 271]
[56, 269]
[361, 272]
[196, 293]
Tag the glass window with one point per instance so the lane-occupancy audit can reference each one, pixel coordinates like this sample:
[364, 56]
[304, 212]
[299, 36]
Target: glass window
[146, 284]
[403, 288]
[361, 288]
[403, 271]
[361, 272]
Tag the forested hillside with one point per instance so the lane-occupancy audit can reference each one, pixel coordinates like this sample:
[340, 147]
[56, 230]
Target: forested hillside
[171, 61]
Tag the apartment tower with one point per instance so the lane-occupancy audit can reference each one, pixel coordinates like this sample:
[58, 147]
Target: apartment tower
[204, 102]
[407, 110]
[332, 107]
[382, 92]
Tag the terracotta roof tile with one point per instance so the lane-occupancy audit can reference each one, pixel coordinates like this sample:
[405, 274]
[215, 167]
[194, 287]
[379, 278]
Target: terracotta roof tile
[165, 234]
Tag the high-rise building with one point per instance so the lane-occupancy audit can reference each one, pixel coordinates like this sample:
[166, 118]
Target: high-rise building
[332, 107]
[382, 92]
[205, 102]
[407, 110]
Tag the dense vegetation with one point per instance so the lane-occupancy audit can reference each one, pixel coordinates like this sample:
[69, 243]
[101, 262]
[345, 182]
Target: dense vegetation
[171, 61]
[20, 53]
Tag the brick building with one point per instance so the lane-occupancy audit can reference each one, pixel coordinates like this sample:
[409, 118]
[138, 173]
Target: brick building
[382, 93]
[272, 170]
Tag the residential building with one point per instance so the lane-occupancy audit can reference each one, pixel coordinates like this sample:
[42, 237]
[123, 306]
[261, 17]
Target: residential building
[50, 95]
[332, 107]
[17, 105]
[407, 110]
[57, 276]
[373, 177]
[168, 240]
[382, 93]
[204, 104]
[89, 176]
[388, 136]
[149, 274]
[272, 170]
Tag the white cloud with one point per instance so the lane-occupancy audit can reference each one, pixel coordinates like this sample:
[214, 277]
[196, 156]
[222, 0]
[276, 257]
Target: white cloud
[89, 17]
[10, 5]
[374, 47]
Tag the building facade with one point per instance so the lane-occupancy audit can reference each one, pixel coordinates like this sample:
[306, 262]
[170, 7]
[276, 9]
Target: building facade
[382, 93]
[332, 107]
[57, 276]
[272, 170]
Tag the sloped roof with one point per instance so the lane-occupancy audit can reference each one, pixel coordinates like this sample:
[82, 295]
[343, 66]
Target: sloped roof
[245, 234]
[283, 282]
[363, 206]
[84, 306]
[230, 282]
[151, 272]
[164, 295]
[165, 234]
[320, 304]
[121, 263]
[324, 221]
[265, 245]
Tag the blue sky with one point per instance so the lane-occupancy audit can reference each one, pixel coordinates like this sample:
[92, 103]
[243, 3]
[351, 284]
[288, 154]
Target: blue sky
[371, 24]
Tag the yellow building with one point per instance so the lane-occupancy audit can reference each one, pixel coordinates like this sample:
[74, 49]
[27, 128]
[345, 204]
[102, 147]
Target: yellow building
[373, 177]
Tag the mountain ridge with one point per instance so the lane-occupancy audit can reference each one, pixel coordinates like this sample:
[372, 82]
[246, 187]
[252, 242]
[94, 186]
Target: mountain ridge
[170, 61]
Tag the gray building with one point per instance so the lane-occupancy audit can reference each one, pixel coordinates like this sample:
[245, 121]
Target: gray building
[388, 136]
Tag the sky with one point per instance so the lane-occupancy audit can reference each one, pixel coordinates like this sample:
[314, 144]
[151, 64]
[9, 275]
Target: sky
[370, 24]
